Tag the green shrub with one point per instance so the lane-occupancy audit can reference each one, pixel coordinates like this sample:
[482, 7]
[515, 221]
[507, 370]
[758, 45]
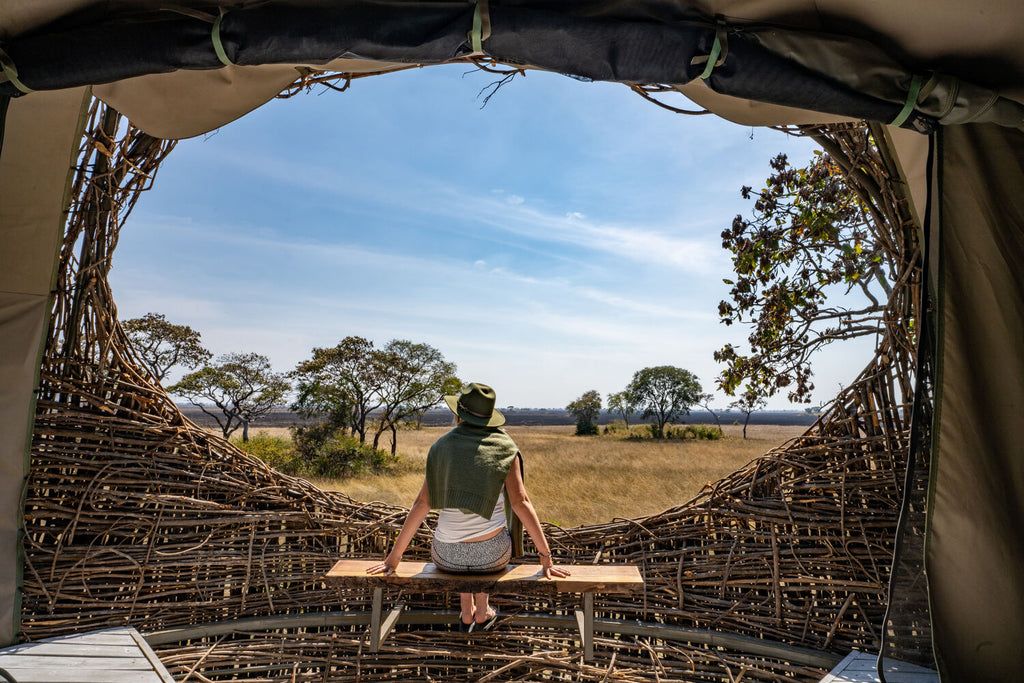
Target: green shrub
[616, 427]
[276, 451]
[680, 432]
[641, 432]
[330, 453]
[586, 429]
[707, 432]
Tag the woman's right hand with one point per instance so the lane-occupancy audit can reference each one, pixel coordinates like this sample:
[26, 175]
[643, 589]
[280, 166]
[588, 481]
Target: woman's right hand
[551, 571]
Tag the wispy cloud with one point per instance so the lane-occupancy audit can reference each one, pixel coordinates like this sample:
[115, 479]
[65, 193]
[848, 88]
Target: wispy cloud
[700, 254]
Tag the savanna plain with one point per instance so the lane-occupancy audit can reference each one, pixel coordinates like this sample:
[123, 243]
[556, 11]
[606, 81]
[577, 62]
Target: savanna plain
[581, 480]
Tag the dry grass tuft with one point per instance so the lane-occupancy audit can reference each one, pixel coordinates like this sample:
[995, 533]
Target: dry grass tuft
[575, 481]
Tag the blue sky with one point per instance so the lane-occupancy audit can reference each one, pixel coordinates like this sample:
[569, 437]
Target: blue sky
[554, 241]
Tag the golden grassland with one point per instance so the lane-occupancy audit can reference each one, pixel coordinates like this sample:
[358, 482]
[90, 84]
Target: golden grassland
[576, 481]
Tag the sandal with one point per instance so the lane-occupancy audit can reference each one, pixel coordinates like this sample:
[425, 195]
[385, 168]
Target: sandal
[487, 623]
[464, 627]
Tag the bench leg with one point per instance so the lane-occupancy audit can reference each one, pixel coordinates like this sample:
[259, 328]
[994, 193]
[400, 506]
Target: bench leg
[389, 623]
[380, 631]
[585, 622]
[378, 602]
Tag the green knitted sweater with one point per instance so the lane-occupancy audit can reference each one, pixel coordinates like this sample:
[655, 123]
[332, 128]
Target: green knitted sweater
[466, 469]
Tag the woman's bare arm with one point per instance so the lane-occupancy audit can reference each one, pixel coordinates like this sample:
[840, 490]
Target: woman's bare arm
[521, 505]
[417, 513]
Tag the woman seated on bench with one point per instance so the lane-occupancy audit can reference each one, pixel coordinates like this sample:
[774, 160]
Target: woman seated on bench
[472, 481]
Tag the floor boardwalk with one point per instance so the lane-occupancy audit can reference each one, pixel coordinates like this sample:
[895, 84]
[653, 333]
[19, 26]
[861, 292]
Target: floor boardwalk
[116, 655]
[860, 667]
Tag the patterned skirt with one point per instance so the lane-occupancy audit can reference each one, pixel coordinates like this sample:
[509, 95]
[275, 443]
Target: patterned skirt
[477, 557]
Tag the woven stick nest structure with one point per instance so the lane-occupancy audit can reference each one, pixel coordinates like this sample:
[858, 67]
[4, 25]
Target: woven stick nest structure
[134, 515]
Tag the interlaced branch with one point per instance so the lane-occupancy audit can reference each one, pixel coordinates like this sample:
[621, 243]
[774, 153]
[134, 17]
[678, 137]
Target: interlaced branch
[135, 515]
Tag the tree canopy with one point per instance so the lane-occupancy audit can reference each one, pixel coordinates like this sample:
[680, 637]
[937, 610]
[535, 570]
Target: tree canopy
[586, 410]
[415, 377]
[622, 404]
[347, 384]
[241, 386]
[749, 402]
[340, 385]
[665, 393]
[161, 345]
[815, 233]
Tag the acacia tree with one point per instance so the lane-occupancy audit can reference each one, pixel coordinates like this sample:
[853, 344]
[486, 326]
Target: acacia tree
[241, 386]
[665, 393]
[622, 404]
[451, 387]
[415, 377]
[340, 385]
[161, 345]
[704, 401]
[830, 227]
[749, 402]
[586, 409]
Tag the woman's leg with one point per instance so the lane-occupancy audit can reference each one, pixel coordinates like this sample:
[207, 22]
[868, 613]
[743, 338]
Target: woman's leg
[481, 615]
[467, 613]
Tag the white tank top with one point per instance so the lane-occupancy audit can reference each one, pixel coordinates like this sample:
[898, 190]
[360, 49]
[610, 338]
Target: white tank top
[456, 526]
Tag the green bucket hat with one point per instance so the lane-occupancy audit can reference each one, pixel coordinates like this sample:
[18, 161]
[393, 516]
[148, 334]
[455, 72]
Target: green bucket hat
[475, 405]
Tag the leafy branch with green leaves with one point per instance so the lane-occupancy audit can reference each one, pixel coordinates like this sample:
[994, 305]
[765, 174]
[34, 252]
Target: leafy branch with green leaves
[818, 238]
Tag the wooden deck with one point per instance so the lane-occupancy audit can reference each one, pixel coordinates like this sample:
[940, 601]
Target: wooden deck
[861, 667]
[116, 655]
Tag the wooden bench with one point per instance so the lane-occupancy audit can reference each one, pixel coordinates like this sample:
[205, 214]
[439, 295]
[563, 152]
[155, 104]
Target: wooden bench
[520, 579]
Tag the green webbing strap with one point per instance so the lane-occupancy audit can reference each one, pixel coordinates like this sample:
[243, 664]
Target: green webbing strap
[719, 51]
[11, 71]
[481, 26]
[716, 49]
[218, 46]
[908, 107]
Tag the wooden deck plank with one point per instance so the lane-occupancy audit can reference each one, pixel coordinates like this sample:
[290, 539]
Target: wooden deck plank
[73, 649]
[118, 655]
[861, 667]
[162, 673]
[33, 660]
[119, 636]
[65, 675]
[600, 578]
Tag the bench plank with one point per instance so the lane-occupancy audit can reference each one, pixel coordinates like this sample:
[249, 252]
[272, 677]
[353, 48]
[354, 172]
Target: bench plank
[519, 578]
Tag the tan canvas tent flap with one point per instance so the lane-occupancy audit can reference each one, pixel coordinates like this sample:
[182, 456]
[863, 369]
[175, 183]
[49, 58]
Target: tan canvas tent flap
[978, 42]
[163, 104]
[838, 74]
[41, 136]
[975, 559]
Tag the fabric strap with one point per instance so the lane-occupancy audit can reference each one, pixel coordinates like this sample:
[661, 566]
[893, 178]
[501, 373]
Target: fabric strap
[719, 51]
[908, 107]
[11, 71]
[481, 27]
[716, 49]
[218, 45]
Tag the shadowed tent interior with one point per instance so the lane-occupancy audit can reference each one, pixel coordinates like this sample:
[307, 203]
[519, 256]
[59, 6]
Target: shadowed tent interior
[116, 510]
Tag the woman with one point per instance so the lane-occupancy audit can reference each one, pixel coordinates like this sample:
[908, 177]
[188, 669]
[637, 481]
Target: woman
[475, 478]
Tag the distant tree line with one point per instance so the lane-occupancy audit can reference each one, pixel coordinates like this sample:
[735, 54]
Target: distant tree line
[664, 393]
[353, 387]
